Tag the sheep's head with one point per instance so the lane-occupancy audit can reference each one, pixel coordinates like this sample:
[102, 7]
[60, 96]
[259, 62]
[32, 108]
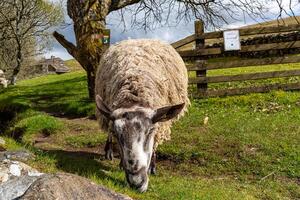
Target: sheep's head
[134, 130]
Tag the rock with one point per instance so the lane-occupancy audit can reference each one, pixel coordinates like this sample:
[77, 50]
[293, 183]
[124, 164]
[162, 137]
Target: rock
[21, 155]
[14, 188]
[34, 173]
[3, 177]
[63, 186]
[15, 170]
[20, 181]
[15, 177]
[29, 170]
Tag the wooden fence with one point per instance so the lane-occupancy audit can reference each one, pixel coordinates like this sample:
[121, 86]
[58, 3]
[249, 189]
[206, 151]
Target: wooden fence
[201, 66]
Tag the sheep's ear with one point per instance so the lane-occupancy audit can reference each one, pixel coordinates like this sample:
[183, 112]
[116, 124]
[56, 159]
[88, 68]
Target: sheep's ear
[103, 108]
[166, 113]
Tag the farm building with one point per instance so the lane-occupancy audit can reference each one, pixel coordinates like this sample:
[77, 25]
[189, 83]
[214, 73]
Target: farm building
[51, 65]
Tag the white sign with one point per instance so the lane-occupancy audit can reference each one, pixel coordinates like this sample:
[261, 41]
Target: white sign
[232, 40]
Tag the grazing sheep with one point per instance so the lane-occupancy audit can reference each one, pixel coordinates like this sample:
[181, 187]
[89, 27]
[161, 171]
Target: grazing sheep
[141, 88]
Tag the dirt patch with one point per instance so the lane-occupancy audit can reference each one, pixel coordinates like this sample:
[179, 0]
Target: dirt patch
[83, 127]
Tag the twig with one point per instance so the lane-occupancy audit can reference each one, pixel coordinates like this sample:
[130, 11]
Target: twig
[267, 176]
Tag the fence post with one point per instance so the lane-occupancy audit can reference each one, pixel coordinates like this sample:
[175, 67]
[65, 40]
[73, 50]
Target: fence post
[200, 43]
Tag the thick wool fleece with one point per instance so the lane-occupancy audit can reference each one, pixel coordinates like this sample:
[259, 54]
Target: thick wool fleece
[142, 72]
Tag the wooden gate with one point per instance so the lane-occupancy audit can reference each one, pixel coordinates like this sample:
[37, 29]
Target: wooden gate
[200, 54]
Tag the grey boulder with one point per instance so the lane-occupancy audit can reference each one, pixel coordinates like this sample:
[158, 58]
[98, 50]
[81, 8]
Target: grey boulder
[63, 186]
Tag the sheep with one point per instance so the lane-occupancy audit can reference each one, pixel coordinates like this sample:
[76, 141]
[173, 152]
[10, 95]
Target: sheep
[141, 89]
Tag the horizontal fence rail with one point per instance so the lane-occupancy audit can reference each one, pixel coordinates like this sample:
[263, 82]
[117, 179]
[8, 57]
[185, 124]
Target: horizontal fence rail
[245, 77]
[244, 49]
[204, 65]
[255, 89]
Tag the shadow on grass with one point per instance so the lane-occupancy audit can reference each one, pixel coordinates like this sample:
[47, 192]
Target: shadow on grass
[8, 113]
[66, 98]
[84, 164]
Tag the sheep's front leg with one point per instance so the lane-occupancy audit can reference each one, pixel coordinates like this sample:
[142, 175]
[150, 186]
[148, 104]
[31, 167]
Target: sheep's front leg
[109, 147]
[152, 167]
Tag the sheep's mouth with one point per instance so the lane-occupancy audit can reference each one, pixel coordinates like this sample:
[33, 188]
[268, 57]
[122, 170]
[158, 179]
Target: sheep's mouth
[138, 180]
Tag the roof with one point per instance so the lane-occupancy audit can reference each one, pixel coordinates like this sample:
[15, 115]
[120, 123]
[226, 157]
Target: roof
[57, 63]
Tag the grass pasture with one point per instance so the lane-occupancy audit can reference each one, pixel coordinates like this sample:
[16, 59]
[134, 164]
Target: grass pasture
[250, 148]
[246, 70]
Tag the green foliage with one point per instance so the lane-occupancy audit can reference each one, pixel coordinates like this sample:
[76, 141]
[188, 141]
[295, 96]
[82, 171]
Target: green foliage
[26, 30]
[57, 16]
[11, 144]
[84, 141]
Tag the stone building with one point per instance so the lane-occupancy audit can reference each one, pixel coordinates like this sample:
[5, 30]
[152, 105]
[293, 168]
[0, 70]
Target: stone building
[53, 65]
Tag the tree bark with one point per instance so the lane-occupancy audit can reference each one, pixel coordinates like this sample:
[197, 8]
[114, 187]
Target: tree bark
[89, 27]
[91, 84]
[17, 68]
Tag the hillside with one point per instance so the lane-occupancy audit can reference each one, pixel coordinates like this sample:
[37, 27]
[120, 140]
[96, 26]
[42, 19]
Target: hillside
[73, 65]
[249, 149]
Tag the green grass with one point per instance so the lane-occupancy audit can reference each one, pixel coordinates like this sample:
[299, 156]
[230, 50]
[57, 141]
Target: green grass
[247, 70]
[23, 108]
[11, 144]
[60, 94]
[249, 149]
[83, 141]
[37, 124]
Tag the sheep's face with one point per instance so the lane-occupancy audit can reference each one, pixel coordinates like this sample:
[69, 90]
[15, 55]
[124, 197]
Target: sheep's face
[134, 130]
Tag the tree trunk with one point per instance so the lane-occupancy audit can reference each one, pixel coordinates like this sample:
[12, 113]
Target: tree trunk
[89, 27]
[91, 84]
[17, 68]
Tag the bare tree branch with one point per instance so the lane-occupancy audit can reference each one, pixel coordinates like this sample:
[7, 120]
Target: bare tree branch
[148, 14]
[119, 4]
